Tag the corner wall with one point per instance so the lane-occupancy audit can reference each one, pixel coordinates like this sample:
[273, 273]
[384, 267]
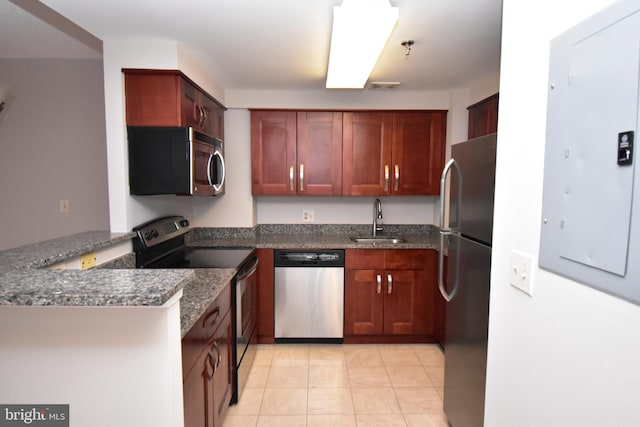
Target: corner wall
[568, 356]
[52, 147]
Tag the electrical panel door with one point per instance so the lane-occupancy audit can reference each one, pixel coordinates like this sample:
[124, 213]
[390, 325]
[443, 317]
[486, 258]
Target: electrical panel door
[588, 215]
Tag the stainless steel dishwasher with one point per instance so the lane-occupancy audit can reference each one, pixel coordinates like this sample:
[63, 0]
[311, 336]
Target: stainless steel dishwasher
[309, 295]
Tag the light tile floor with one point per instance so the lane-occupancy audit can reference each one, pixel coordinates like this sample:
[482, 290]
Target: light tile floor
[315, 385]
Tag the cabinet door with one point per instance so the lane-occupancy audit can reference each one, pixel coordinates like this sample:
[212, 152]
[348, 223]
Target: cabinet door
[408, 305]
[265, 327]
[319, 152]
[221, 385]
[363, 302]
[483, 117]
[273, 152]
[194, 389]
[418, 152]
[367, 153]
[190, 112]
[152, 99]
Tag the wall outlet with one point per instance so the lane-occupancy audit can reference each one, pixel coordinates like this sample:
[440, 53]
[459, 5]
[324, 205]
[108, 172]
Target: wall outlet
[308, 215]
[64, 206]
[522, 271]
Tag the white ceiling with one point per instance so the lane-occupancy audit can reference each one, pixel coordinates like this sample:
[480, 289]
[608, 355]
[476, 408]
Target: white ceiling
[273, 44]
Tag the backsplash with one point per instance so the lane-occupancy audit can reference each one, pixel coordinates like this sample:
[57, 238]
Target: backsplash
[200, 233]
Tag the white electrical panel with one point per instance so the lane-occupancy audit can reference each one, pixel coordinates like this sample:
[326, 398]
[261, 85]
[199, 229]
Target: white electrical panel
[591, 199]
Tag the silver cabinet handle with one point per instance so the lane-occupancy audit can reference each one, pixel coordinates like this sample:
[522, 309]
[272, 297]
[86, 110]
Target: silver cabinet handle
[291, 178]
[210, 366]
[301, 177]
[389, 284]
[204, 118]
[386, 177]
[379, 280]
[218, 187]
[397, 177]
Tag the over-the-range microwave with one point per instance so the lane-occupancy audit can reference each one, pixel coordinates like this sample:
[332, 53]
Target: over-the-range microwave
[174, 160]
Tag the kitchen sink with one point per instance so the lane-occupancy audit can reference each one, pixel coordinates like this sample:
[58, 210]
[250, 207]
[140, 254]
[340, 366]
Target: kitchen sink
[376, 239]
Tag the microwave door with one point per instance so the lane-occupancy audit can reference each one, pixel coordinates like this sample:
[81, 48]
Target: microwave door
[201, 169]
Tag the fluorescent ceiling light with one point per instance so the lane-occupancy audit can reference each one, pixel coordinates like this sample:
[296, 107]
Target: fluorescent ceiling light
[361, 29]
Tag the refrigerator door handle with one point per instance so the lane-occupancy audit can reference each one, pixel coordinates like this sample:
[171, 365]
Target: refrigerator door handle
[451, 165]
[441, 284]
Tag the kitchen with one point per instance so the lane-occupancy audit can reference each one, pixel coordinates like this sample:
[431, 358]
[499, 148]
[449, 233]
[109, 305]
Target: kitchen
[515, 316]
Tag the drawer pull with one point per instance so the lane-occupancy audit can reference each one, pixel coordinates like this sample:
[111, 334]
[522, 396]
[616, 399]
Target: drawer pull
[212, 318]
[210, 366]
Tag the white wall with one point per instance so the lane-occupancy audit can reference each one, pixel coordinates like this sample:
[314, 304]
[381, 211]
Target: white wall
[568, 356]
[236, 208]
[52, 147]
[127, 211]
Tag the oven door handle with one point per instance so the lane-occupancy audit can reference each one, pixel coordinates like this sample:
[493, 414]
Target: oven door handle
[249, 269]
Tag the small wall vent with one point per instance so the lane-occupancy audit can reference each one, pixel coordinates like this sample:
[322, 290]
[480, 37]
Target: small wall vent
[384, 85]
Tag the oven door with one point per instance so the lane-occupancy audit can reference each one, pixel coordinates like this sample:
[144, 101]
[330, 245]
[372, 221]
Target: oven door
[246, 291]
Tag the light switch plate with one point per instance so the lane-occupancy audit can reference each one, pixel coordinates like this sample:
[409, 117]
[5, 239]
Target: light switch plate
[522, 271]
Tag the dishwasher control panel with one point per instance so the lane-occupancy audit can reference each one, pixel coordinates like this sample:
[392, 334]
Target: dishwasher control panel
[311, 258]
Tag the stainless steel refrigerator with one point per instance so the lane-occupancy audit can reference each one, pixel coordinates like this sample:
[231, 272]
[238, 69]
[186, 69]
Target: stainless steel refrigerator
[464, 275]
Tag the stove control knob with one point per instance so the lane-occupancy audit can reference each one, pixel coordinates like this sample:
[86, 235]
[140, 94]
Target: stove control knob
[151, 234]
[184, 223]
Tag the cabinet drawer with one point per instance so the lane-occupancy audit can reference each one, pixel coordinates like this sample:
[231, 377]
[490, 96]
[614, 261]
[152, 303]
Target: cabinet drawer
[204, 329]
[404, 259]
[364, 258]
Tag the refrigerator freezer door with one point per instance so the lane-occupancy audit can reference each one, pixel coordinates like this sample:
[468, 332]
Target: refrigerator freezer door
[476, 160]
[466, 332]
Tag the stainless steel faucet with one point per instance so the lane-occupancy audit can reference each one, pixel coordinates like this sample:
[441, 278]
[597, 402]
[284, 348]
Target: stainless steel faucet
[377, 217]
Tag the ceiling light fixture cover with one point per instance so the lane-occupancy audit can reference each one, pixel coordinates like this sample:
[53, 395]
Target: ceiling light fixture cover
[361, 29]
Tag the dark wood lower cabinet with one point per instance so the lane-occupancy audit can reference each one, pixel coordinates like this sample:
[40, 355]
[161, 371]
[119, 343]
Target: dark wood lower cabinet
[207, 383]
[393, 304]
[265, 327]
[207, 387]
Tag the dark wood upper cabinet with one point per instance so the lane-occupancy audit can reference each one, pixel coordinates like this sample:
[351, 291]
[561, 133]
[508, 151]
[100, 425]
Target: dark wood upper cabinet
[367, 140]
[364, 153]
[273, 153]
[170, 98]
[319, 149]
[418, 152]
[393, 153]
[296, 153]
[483, 117]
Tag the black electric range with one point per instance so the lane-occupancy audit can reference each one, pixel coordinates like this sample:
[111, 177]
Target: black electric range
[160, 244]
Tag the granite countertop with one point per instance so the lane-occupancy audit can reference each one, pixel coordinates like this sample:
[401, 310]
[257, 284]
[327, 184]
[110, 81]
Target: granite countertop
[202, 290]
[314, 237]
[25, 281]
